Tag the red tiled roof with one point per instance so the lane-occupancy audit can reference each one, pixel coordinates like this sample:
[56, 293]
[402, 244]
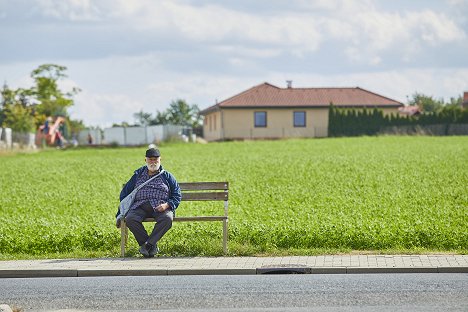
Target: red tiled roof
[269, 96]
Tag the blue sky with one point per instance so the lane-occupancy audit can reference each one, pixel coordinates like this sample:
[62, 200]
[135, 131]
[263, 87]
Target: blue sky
[128, 56]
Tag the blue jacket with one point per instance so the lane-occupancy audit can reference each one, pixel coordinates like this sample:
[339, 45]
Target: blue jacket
[174, 190]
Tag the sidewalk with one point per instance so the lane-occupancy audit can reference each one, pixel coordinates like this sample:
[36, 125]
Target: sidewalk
[330, 264]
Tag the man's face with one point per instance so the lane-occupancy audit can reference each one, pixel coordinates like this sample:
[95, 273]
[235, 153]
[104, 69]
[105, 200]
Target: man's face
[153, 163]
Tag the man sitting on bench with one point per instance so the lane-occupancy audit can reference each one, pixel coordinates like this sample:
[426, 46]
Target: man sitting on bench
[157, 199]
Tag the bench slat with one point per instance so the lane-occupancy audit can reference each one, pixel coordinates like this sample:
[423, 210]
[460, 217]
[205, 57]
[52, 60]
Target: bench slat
[204, 196]
[197, 218]
[200, 218]
[198, 186]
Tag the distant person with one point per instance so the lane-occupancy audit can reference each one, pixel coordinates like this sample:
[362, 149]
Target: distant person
[62, 130]
[59, 136]
[157, 199]
[59, 139]
[45, 131]
[90, 139]
[46, 128]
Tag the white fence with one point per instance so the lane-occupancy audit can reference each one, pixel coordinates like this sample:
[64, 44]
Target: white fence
[129, 135]
[15, 140]
[118, 135]
[85, 135]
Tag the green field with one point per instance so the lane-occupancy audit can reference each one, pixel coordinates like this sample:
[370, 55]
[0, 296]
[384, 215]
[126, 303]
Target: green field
[296, 197]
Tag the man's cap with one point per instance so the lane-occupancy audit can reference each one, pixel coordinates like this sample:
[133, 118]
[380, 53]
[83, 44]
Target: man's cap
[153, 152]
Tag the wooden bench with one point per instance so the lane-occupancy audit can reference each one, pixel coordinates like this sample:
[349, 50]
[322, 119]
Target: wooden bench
[194, 191]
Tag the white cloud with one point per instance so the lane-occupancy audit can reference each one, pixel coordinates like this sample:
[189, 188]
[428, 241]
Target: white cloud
[214, 24]
[436, 28]
[248, 52]
[73, 10]
[369, 33]
[104, 109]
[365, 31]
[395, 84]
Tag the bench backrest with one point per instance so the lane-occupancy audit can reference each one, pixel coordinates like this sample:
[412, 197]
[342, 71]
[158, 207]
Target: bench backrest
[197, 191]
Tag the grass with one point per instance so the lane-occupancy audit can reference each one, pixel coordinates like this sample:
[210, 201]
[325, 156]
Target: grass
[292, 197]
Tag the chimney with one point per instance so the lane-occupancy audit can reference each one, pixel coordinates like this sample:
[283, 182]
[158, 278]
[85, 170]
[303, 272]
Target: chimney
[289, 83]
[465, 100]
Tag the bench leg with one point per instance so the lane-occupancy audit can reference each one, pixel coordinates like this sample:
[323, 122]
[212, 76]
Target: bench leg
[123, 238]
[225, 235]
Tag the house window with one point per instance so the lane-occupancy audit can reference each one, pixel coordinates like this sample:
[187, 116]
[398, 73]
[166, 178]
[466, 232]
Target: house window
[260, 119]
[299, 119]
[214, 122]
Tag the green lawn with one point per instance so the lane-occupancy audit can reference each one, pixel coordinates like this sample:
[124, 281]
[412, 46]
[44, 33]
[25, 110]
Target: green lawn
[301, 197]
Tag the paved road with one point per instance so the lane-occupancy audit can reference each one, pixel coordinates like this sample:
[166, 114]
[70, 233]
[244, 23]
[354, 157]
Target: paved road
[298, 292]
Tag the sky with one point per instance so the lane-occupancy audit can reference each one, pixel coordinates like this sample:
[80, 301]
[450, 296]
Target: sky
[139, 55]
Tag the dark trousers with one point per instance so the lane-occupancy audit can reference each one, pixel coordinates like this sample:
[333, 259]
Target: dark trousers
[136, 216]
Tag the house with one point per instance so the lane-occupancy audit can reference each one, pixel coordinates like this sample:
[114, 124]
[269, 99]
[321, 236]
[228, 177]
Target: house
[269, 112]
[410, 111]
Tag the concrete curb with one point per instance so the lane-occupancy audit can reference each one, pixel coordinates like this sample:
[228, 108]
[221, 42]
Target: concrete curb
[37, 273]
[164, 266]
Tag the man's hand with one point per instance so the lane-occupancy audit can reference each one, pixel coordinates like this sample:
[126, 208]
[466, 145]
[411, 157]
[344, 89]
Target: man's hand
[118, 221]
[162, 207]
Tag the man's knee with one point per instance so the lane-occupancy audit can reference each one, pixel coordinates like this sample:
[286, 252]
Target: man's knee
[166, 218]
[130, 218]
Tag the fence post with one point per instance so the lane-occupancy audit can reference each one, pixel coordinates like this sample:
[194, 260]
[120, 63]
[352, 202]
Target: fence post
[31, 141]
[146, 134]
[8, 139]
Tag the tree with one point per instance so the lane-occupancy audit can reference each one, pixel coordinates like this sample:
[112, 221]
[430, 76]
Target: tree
[16, 112]
[75, 126]
[7, 99]
[52, 101]
[142, 118]
[124, 124]
[455, 102]
[24, 110]
[160, 119]
[180, 113]
[427, 103]
[19, 118]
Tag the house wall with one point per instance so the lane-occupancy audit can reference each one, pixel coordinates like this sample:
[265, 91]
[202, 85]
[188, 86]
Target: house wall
[212, 126]
[239, 124]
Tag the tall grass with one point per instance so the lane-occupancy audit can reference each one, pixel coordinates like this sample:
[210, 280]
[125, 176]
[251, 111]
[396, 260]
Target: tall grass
[380, 194]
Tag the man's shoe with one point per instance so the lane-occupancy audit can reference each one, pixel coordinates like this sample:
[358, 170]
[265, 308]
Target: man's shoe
[153, 251]
[144, 251]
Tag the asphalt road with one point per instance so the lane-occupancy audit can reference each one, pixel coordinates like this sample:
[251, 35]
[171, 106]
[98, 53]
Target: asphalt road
[298, 292]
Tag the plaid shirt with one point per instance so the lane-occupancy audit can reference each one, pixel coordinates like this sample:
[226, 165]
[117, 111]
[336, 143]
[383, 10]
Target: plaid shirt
[156, 191]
